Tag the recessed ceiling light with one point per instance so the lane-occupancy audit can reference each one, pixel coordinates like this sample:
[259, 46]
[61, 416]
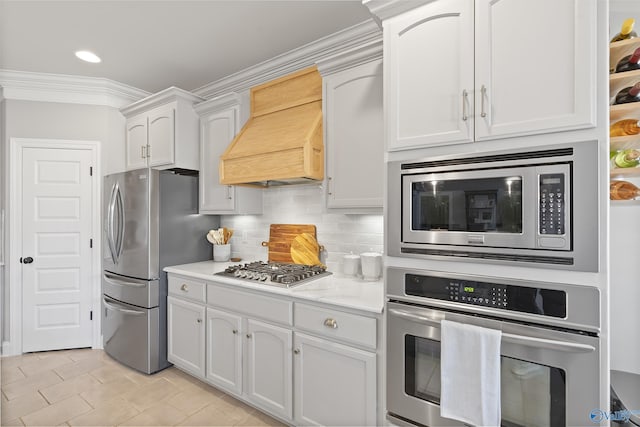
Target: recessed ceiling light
[85, 55]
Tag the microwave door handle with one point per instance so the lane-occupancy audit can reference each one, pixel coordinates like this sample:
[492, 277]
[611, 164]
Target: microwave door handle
[512, 338]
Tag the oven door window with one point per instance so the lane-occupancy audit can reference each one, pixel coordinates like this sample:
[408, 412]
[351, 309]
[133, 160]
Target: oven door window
[532, 394]
[476, 205]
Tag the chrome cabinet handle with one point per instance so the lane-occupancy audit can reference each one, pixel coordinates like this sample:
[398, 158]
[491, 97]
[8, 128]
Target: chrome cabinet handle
[248, 335]
[483, 92]
[329, 186]
[331, 323]
[184, 287]
[229, 192]
[142, 151]
[235, 331]
[148, 150]
[199, 320]
[465, 96]
[296, 351]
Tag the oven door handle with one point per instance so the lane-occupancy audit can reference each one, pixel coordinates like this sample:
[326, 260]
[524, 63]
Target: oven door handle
[512, 338]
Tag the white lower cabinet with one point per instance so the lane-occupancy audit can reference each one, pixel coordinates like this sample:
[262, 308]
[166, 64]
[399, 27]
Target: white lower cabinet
[185, 335]
[320, 370]
[334, 384]
[224, 350]
[268, 379]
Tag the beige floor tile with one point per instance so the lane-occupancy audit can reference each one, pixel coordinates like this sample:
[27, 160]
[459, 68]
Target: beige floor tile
[17, 360]
[157, 415]
[9, 374]
[57, 413]
[182, 380]
[103, 393]
[61, 391]
[142, 379]
[22, 405]
[212, 416]
[191, 401]
[30, 384]
[150, 394]
[260, 419]
[82, 353]
[80, 367]
[109, 372]
[44, 363]
[13, 422]
[113, 413]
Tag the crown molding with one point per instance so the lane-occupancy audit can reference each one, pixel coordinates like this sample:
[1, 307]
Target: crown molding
[294, 60]
[351, 58]
[165, 96]
[384, 9]
[219, 103]
[31, 86]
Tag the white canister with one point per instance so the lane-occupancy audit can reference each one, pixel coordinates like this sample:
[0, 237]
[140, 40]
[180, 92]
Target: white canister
[371, 265]
[221, 252]
[351, 265]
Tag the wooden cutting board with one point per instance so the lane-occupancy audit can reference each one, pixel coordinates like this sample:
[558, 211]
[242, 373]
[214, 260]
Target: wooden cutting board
[280, 238]
[305, 250]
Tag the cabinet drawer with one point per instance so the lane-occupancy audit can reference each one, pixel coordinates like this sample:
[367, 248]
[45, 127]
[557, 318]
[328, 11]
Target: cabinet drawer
[259, 306]
[187, 288]
[336, 324]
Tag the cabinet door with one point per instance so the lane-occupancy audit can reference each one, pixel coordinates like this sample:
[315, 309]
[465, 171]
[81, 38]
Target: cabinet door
[185, 335]
[334, 384]
[224, 350]
[535, 79]
[161, 136]
[428, 73]
[136, 151]
[217, 131]
[268, 370]
[354, 137]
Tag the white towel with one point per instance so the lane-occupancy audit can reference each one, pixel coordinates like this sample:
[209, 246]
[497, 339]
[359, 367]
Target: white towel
[470, 374]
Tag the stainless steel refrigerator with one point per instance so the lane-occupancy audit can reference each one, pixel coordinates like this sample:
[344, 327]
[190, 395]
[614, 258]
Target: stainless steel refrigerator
[150, 221]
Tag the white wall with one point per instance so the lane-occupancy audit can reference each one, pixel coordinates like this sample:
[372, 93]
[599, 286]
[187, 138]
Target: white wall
[304, 204]
[50, 120]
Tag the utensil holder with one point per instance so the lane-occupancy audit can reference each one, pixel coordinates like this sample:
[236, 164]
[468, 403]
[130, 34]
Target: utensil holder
[221, 252]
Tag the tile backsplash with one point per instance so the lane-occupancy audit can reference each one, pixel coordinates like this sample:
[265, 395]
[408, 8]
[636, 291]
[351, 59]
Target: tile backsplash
[340, 234]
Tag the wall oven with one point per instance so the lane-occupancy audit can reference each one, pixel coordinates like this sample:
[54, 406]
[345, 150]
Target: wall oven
[538, 207]
[549, 354]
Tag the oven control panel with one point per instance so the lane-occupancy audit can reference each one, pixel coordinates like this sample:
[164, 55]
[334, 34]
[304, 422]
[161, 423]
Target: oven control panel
[552, 204]
[548, 302]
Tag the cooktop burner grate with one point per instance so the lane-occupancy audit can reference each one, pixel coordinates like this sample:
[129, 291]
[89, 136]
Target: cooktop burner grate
[277, 274]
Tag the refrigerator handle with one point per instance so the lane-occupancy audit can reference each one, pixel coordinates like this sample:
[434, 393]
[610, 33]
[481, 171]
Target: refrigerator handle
[110, 219]
[120, 204]
[114, 280]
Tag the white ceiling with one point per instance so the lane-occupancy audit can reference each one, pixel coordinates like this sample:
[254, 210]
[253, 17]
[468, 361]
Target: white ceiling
[152, 45]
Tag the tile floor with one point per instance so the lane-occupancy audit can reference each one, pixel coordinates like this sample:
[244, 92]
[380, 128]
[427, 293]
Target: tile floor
[87, 388]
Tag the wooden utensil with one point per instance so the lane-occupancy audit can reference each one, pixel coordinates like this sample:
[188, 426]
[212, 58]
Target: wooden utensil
[280, 238]
[305, 250]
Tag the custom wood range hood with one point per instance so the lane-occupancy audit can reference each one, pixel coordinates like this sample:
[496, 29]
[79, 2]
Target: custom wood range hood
[281, 143]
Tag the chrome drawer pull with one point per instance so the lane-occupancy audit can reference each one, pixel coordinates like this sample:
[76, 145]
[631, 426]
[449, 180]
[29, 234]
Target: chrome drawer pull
[331, 323]
[184, 287]
[235, 331]
[296, 351]
[199, 320]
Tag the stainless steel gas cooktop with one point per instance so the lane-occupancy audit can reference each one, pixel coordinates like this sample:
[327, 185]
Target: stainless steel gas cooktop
[276, 274]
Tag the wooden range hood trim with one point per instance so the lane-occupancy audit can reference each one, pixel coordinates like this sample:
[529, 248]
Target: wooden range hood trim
[282, 141]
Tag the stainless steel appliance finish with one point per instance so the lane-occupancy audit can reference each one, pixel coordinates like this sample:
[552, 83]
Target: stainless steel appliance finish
[151, 221]
[284, 275]
[536, 207]
[550, 348]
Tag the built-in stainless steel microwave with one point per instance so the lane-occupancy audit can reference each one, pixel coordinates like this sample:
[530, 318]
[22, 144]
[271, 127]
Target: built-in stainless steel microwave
[537, 206]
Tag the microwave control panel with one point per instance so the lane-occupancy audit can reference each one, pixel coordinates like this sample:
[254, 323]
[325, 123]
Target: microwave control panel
[552, 204]
[523, 299]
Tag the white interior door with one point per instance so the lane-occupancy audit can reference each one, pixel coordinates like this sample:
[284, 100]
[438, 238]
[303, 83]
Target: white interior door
[56, 253]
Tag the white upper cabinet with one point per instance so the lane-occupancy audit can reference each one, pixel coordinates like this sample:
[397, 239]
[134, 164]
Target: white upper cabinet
[354, 128]
[219, 123]
[458, 70]
[162, 131]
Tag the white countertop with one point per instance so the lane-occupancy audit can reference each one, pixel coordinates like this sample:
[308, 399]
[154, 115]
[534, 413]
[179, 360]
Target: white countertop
[340, 291]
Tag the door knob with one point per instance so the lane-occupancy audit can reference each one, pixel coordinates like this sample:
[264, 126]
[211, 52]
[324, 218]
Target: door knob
[27, 260]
